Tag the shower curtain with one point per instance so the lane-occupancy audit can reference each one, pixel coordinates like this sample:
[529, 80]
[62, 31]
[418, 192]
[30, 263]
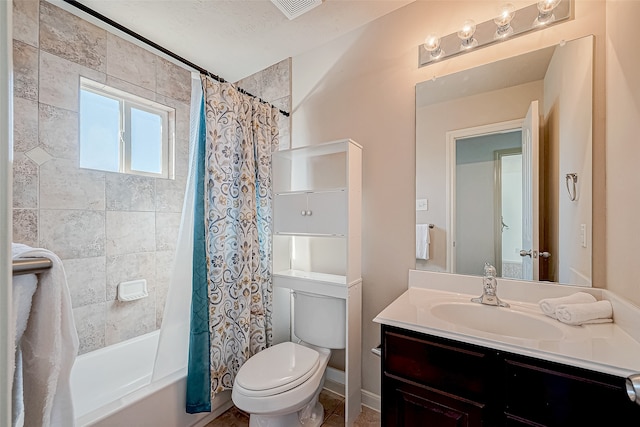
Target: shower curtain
[232, 284]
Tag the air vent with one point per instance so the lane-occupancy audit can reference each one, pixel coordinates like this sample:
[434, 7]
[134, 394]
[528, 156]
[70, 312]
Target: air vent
[294, 8]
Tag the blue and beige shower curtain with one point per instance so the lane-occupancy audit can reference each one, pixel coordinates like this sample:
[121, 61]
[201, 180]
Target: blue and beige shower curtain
[232, 284]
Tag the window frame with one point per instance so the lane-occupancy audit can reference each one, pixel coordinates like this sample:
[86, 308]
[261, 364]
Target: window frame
[126, 102]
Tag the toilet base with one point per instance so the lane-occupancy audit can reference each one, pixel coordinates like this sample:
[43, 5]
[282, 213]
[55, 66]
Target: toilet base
[309, 416]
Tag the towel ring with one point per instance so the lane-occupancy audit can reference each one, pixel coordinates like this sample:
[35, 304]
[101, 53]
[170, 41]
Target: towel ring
[571, 179]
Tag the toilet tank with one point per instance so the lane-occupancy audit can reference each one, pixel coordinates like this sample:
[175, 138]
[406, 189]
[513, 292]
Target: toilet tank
[319, 320]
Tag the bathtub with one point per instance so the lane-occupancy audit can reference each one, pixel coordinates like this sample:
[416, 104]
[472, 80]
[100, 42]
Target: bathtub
[113, 387]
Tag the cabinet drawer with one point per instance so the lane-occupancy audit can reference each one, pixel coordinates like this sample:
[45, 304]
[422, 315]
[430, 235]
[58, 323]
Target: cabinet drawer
[543, 395]
[463, 371]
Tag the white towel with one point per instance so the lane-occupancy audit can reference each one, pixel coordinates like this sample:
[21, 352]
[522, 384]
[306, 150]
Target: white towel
[422, 241]
[579, 314]
[549, 305]
[48, 347]
[23, 288]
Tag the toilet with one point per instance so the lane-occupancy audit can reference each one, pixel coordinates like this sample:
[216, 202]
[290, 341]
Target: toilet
[280, 385]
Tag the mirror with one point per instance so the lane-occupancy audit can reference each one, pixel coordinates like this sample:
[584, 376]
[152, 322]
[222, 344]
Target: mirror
[503, 167]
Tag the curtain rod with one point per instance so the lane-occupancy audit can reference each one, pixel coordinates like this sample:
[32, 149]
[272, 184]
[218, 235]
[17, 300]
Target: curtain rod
[156, 46]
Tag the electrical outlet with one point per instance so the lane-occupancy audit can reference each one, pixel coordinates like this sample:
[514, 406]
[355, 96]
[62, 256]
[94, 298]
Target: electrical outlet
[422, 204]
[583, 235]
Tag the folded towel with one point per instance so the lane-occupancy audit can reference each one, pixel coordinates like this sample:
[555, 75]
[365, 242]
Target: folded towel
[549, 305]
[579, 314]
[422, 241]
[48, 346]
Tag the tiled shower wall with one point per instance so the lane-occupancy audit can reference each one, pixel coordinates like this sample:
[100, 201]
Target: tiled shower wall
[107, 227]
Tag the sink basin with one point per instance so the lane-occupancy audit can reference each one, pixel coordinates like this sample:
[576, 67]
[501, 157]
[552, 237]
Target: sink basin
[497, 320]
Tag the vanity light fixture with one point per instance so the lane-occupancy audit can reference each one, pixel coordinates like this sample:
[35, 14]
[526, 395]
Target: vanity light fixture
[432, 45]
[506, 12]
[465, 34]
[545, 12]
[506, 24]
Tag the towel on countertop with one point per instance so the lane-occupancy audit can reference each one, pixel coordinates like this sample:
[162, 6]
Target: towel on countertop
[422, 241]
[549, 305]
[48, 347]
[579, 314]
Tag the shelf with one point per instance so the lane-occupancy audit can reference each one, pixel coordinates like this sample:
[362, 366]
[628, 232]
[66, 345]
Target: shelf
[316, 150]
[307, 281]
[333, 279]
[314, 191]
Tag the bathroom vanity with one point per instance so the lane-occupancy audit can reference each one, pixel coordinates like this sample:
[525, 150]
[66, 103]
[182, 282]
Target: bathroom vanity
[447, 361]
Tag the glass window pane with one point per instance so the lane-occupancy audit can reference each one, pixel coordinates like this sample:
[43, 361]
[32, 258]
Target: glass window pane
[99, 132]
[146, 141]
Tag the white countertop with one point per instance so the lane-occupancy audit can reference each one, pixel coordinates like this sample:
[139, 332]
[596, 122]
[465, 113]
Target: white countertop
[604, 348]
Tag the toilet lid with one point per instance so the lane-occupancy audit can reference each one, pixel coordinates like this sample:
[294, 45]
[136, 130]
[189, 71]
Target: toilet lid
[277, 369]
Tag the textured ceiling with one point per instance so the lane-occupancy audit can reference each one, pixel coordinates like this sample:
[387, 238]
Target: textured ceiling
[236, 38]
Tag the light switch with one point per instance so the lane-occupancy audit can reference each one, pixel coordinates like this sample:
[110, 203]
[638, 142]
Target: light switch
[422, 204]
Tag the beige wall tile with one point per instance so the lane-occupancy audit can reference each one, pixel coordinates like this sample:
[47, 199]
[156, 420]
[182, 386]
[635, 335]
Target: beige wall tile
[167, 227]
[130, 232]
[73, 233]
[25, 182]
[60, 81]
[173, 81]
[64, 186]
[25, 124]
[123, 268]
[130, 319]
[130, 88]
[58, 133]
[276, 81]
[25, 226]
[26, 20]
[25, 69]
[131, 63]
[130, 192]
[90, 322]
[169, 195]
[70, 37]
[86, 278]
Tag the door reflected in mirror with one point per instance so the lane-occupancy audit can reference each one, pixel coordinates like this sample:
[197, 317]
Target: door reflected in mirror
[493, 147]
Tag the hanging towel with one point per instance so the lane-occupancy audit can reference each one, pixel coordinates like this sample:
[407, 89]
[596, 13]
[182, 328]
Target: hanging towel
[422, 241]
[48, 347]
[24, 287]
[580, 314]
[549, 305]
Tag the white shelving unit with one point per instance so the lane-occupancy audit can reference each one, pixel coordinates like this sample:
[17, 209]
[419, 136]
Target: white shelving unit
[317, 237]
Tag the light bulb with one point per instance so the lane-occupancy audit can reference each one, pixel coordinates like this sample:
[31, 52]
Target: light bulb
[466, 35]
[506, 12]
[432, 45]
[545, 11]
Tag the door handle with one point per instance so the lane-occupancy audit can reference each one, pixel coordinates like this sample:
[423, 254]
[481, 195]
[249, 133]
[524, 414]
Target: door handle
[524, 253]
[545, 255]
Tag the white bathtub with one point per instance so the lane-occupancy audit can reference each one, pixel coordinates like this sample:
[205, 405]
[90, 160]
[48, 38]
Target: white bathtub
[112, 387]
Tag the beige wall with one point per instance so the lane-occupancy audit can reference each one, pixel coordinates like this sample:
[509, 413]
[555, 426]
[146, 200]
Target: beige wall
[361, 86]
[623, 149]
[567, 115]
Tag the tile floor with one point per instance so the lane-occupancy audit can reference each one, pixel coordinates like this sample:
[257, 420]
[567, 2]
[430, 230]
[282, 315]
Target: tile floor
[333, 414]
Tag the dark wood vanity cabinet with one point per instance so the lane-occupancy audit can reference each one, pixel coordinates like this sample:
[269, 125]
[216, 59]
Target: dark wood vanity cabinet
[430, 381]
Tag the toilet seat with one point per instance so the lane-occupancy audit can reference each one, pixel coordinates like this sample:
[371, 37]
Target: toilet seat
[277, 369]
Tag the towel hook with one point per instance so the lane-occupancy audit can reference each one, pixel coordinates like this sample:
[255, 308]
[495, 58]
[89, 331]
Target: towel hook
[571, 179]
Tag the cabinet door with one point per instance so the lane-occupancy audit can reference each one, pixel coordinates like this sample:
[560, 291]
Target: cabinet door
[328, 212]
[289, 213]
[553, 395]
[408, 405]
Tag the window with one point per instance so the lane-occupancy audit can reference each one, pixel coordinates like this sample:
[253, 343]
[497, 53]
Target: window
[120, 132]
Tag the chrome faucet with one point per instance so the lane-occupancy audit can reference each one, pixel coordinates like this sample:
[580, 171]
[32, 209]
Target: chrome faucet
[489, 288]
